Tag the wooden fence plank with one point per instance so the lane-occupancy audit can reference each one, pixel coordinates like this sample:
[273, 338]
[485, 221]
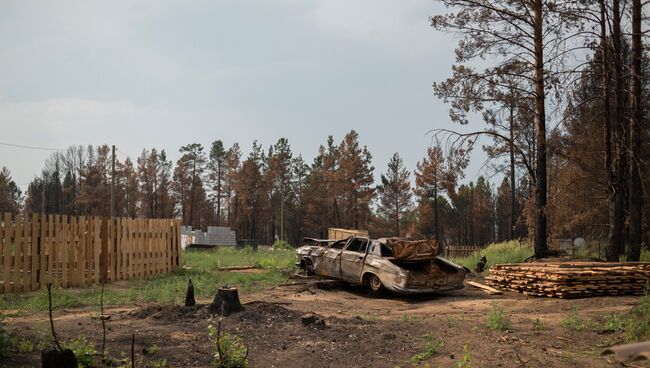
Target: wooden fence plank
[18, 248]
[83, 225]
[34, 253]
[78, 251]
[97, 246]
[6, 252]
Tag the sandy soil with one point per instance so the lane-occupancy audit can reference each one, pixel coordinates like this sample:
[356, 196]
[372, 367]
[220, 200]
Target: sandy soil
[360, 331]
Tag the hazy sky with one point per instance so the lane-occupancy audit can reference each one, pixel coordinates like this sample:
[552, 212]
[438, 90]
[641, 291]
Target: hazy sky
[166, 73]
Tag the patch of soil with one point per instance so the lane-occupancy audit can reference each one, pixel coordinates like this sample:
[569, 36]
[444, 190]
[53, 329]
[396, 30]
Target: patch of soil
[172, 313]
[358, 331]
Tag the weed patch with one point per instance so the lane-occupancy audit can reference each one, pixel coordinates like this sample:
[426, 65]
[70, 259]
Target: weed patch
[431, 348]
[637, 326]
[507, 252]
[229, 350]
[467, 359]
[497, 318]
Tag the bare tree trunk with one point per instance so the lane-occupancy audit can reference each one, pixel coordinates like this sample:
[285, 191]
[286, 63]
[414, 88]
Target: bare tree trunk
[435, 212]
[616, 214]
[513, 201]
[636, 191]
[397, 217]
[607, 130]
[540, 134]
[219, 189]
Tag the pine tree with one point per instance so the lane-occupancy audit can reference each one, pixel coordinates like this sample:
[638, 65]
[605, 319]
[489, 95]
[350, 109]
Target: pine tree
[217, 175]
[395, 192]
[10, 194]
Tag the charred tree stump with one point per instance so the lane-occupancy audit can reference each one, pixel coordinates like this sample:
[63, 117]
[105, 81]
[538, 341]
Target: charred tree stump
[226, 301]
[53, 358]
[189, 295]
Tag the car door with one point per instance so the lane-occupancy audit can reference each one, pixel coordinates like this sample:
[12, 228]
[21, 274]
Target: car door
[330, 264]
[352, 259]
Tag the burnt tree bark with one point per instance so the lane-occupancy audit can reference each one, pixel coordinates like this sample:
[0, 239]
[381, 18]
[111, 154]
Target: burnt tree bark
[189, 295]
[636, 91]
[540, 132]
[226, 301]
[513, 198]
[617, 199]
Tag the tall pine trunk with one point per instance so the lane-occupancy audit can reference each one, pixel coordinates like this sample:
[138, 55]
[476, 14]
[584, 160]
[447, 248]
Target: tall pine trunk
[607, 129]
[616, 214]
[513, 202]
[540, 134]
[636, 191]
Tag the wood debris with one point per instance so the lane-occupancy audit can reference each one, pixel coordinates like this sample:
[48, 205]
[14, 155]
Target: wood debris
[487, 289]
[237, 268]
[571, 279]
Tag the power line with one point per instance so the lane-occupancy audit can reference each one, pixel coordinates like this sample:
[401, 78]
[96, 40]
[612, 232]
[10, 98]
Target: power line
[124, 153]
[29, 147]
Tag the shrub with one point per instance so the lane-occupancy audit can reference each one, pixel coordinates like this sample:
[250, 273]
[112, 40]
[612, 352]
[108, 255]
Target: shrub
[22, 345]
[497, 318]
[281, 245]
[229, 350]
[84, 351]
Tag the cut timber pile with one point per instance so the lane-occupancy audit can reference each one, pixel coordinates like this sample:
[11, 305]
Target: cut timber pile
[571, 279]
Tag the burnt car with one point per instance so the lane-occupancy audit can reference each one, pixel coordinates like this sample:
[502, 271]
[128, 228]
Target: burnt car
[395, 264]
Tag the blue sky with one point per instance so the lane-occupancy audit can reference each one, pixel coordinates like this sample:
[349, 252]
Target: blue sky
[163, 73]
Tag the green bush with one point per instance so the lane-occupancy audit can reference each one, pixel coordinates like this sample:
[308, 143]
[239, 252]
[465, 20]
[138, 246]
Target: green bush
[229, 350]
[84, 351]
[281, 245]
[497, 318]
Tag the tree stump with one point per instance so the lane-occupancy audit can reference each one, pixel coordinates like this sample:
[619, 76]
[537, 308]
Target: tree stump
[52, 358]
[189, 295]
[226, 301]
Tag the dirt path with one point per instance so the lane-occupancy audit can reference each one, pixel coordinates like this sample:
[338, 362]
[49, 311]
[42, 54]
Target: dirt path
[360, 331]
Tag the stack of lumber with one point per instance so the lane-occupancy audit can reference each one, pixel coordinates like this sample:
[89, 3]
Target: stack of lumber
[571, 279]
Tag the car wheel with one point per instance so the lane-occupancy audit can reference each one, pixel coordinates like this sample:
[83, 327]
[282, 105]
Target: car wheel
[375, 284]
[309, 268]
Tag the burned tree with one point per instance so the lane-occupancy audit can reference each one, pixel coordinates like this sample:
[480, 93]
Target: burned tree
[514, 33]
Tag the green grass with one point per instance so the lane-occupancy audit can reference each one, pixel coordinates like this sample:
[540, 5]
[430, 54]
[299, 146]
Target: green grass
[201, 267]
[638, 322]
[507, 252]
[574, 322]
[430, 349]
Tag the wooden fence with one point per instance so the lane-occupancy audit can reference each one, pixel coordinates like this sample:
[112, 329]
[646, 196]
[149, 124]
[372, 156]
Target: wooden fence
[461, 250]
[79, 251]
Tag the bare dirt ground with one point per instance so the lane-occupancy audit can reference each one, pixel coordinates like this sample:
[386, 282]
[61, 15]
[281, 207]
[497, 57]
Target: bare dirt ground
[360, 331]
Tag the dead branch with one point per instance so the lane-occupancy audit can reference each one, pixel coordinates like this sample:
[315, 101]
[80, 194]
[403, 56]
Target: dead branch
[49, 299]
[133, 351]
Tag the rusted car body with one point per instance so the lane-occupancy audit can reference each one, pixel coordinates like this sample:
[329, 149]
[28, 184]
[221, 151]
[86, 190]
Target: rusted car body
[399, 265]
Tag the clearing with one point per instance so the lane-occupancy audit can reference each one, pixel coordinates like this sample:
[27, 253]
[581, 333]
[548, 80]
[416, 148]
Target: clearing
[443, 330]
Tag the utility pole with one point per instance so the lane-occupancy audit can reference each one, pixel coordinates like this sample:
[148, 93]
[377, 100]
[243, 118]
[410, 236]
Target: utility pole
[43, 196]
[113, 184]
